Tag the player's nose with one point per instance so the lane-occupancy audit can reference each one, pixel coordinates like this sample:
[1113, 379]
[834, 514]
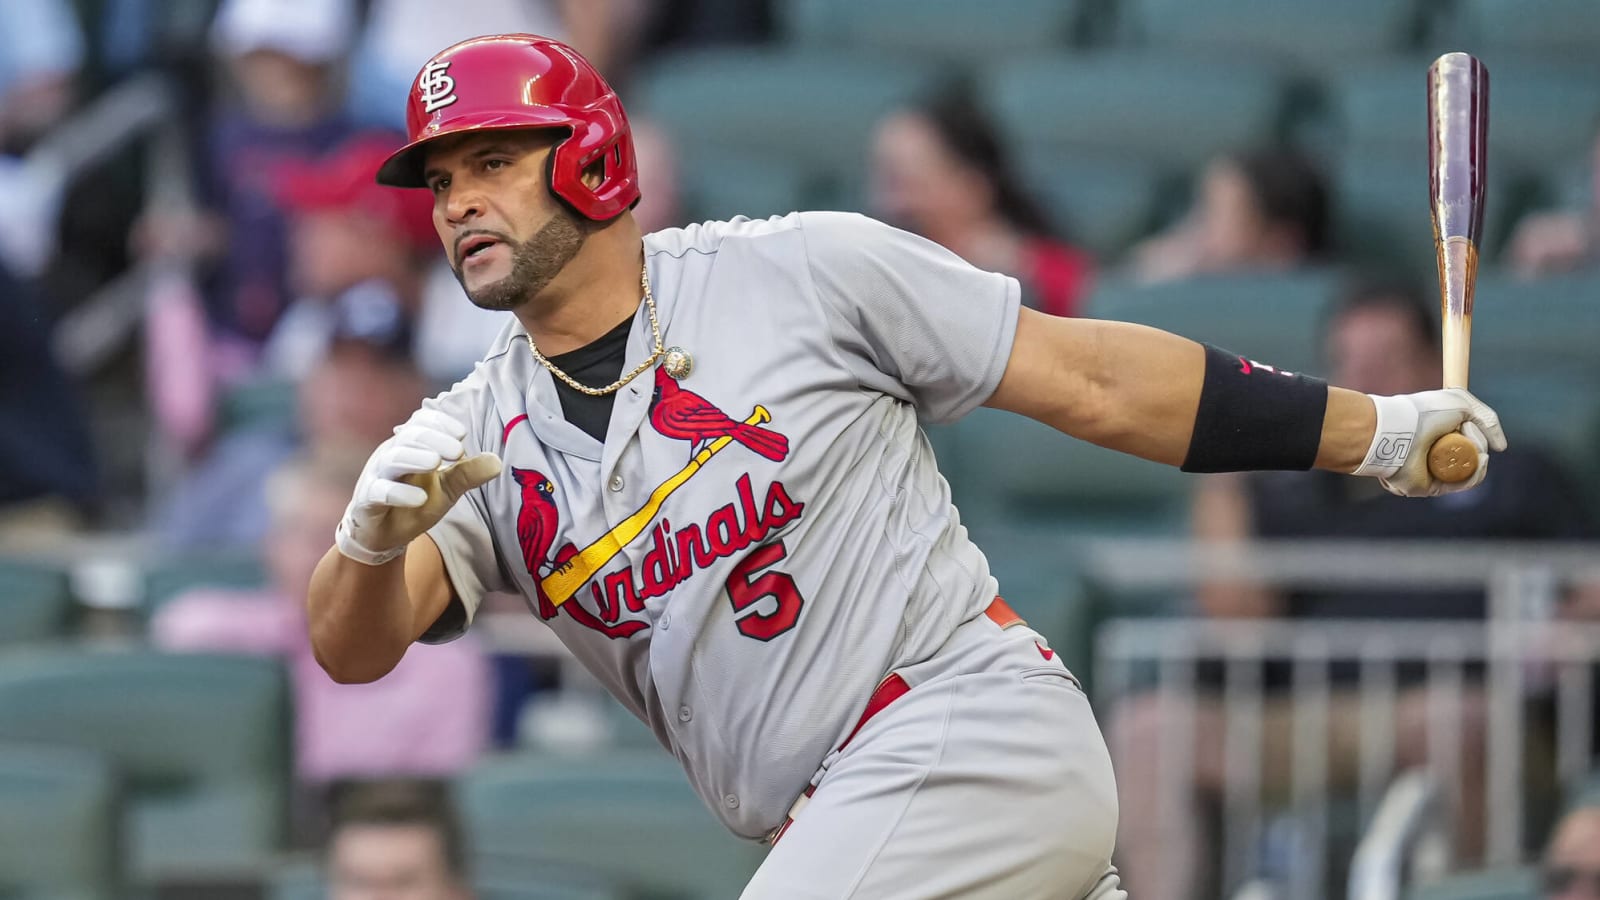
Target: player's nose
[462, 204]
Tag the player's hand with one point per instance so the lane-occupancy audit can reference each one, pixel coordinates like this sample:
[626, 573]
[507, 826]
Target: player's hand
[1408, 425]
[408, 485]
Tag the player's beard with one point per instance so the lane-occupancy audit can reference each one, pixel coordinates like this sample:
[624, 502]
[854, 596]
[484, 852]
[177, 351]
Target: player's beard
[535, 262]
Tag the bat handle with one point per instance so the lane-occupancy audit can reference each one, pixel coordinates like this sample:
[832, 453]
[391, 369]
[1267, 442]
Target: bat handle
[1453, 458]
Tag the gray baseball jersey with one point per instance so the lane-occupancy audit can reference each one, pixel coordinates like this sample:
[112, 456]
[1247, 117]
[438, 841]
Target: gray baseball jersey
[756, 545]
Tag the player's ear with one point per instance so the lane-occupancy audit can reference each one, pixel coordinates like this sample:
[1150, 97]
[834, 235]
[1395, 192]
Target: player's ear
[595, 173]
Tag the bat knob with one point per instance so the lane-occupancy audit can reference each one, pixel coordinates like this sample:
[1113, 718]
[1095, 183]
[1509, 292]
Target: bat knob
[1453, 459]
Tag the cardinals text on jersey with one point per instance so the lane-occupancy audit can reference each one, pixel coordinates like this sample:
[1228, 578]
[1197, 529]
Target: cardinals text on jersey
[677, 554]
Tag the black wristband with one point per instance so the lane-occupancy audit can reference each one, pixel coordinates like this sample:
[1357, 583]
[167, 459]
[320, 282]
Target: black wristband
[1254, 417]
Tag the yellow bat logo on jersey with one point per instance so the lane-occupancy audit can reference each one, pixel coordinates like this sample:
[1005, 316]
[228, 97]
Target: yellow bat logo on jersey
[568, 577]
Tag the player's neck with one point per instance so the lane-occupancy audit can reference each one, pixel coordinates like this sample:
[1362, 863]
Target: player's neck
[596, 290]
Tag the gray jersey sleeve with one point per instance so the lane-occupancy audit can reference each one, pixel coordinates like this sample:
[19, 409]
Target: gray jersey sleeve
[911, 318]
[463, 535]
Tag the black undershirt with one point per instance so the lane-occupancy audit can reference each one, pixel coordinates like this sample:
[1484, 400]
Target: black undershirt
[595, 364]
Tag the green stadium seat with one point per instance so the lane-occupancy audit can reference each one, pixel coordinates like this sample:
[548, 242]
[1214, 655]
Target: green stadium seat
[1520, 883]
[1102, 204]
[813, 112]
[1545, 325]
[955, 31]
[1382, 219]
[169, 577]
[58, 824]
[1539, 111]
[1012, 473]
[723, 187]
[35, 602]
[266, 402]
[546, 890]
[1298, 32]
[301, 880]
[1557, 413]
[1270, 317]
[1546, 28]
[1145, 106]
[574, 809]
[202, 741]
[1586, 791]
[1572, 186]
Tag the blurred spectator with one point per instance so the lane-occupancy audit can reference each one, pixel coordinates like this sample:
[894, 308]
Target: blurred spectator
[1259, 210]
[430, 716]
[282, 57]
[396, 841]
[1546, 243]
[1383, 339]
[1571, 866]
[353, 398]
[41, 53]
[939, 170]
[47, 474]
[350, 235]
[402, 35]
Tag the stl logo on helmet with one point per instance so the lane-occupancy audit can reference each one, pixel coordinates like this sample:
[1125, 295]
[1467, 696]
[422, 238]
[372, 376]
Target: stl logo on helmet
[436, 88]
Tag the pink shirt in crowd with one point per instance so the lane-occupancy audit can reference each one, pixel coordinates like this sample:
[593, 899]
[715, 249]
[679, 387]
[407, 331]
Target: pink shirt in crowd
[428, 717]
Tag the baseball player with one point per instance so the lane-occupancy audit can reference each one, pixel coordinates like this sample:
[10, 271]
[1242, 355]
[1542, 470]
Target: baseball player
[696, 454]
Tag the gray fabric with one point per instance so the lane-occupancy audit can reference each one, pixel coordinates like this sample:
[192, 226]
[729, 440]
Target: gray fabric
[840, 328]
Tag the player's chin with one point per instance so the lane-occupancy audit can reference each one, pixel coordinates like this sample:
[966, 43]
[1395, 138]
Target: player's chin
[498, 295]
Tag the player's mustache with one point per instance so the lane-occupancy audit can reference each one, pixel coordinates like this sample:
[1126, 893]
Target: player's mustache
[465, 236]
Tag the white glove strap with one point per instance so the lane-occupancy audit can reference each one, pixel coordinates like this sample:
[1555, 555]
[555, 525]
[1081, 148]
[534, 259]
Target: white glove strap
[352, 548]
[1392, 440]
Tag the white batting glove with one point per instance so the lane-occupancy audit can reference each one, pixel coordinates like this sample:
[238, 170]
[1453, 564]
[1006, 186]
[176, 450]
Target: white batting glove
[409, 483]
[1408, 425]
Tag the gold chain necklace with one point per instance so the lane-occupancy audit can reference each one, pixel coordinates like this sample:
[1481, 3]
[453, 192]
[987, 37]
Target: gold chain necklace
[655, 333]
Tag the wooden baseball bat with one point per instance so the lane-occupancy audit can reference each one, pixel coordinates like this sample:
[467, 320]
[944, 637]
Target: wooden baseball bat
[1458, 128]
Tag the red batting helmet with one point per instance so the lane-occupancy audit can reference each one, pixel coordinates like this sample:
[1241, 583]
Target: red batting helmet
[507, 81]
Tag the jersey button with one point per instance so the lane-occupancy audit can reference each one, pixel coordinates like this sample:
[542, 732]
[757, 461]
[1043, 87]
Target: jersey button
[616, 483]
[666, 621]
[685, 714]
[731, 801]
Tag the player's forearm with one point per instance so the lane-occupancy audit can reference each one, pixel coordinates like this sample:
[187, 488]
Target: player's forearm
[360, 617]
[1126, 387]
[1137, 390]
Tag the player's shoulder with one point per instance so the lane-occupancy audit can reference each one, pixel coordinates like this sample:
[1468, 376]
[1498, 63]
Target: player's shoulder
[813, 229]
[713, 237]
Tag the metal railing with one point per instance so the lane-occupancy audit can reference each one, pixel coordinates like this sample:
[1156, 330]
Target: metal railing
[1517, 645]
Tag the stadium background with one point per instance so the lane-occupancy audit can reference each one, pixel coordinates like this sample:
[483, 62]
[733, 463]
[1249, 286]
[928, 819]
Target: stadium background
[131, 770]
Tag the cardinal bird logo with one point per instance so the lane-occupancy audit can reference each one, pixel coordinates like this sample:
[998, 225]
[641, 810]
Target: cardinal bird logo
[685, 415]
[537, 523]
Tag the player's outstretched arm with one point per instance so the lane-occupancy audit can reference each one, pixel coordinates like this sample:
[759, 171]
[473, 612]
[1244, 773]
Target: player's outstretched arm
[384, 582]
[1166, 398]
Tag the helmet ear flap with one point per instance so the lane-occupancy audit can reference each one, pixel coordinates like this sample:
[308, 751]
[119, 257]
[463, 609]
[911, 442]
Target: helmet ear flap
[614, 193]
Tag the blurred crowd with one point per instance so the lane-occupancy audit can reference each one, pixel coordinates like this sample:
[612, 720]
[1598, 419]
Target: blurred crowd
[265, 314]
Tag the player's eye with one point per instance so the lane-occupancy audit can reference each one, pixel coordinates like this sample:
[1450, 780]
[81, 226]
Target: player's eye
[439, 185]
[496, 163]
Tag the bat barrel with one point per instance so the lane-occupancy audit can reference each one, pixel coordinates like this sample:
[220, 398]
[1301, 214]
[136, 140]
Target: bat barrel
[1458, 144]
[1458, 128]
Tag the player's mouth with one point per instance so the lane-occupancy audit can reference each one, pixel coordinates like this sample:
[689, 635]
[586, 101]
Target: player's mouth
[475, 249]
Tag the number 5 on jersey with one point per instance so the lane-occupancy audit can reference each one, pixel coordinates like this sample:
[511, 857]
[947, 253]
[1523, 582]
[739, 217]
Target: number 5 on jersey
[747, 590]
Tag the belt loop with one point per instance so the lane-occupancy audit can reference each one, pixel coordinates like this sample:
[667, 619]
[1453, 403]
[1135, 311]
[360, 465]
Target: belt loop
[1001, 613]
